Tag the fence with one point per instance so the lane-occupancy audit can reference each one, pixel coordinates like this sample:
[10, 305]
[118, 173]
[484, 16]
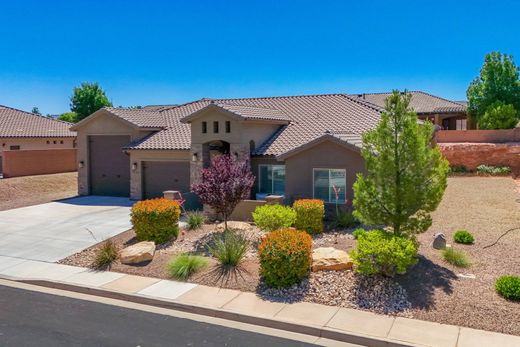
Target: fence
[38, 162]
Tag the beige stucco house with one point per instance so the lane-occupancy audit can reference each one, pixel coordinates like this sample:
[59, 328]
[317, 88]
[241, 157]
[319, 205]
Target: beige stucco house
[32, 144]
[298, 146]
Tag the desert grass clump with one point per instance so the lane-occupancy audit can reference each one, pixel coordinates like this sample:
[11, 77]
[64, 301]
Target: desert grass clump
[184, 265]
[229, 247]
[105, 255]
[195, 219]
[455, 257]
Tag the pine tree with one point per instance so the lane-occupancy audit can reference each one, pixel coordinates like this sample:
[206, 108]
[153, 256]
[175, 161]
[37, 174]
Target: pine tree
[406, 175]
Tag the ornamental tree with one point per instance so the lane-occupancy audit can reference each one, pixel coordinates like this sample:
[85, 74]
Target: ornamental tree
[498, 82]
[499, 116]
[224, 184]
[406, 175]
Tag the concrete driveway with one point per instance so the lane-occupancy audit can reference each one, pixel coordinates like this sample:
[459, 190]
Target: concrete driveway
[55, 230]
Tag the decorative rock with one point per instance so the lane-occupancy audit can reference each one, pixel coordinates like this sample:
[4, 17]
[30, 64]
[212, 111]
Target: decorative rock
[138, 253]
[330, 258]
[439, 241]
[235, 225]
[470, 276]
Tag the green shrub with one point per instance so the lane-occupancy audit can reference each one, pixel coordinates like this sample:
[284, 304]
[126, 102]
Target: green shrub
[458, 169]
[184, 265]
[493, 170]
[195, 219]
[156, 220]
[345, 219]
[356, 233]
[381, 252]
[309, 215]
[285, 257]
[463, 236]
[455, 257]
[105, 255]
[508, 287]
[272, 217]
[229, 247]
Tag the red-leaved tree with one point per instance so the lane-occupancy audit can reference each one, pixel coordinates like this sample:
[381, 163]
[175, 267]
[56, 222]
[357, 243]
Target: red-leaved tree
[224, 184]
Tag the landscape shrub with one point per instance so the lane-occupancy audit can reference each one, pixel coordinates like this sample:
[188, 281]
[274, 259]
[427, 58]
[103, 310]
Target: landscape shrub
[105, 255]
[358, 232]
[272, 217]
[184, 265]
[455, 257]
[458, 169]
[463, 236]
[309, 215]
[493, 170]
[229, 247]
[345, 219]
[381, 252]
[156, 220]
[508, 287]
[195, 219]
[285, 257]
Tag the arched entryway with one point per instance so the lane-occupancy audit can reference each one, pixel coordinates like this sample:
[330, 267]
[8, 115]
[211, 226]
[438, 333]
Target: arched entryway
[212, 149]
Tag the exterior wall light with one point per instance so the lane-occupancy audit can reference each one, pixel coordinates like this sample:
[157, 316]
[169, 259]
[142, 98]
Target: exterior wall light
[134, 166]
[81, 164]
[194, 157]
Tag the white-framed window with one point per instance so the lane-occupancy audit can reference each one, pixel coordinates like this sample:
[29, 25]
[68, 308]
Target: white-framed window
[326, 180]
[271, 179]
[461, 124]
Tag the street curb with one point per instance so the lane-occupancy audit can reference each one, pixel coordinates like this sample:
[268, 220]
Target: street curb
[327, 333]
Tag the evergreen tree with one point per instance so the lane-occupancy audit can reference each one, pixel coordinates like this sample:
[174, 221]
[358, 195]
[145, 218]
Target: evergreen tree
[406, 176]
[498, 82]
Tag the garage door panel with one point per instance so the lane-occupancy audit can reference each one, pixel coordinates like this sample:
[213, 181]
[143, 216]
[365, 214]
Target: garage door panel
[159, 176]
[109, 165]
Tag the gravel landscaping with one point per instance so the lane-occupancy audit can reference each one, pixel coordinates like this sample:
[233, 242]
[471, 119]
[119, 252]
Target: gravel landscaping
[431, 290]
[33, 190]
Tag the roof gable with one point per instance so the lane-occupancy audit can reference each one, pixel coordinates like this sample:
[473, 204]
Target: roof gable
[241, 112]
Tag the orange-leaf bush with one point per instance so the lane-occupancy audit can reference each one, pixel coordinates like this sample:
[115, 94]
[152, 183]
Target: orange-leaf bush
[156, 220]
[285, 257]
[309, 215]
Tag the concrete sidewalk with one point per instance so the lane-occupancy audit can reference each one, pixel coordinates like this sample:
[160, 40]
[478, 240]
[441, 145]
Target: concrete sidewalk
[348, 325]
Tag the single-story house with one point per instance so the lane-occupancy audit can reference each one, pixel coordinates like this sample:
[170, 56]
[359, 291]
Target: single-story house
[32, 144]
[447, 114]
[298, 146]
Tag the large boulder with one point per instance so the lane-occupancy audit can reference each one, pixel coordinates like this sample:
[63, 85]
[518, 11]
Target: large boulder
[138, 253]
[330, 258]
[439, 241]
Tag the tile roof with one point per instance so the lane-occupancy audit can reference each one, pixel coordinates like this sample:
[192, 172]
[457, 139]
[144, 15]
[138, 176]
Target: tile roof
[146, 117]
[18, 123]
[252, 113]
[421, 102]
[310, 116]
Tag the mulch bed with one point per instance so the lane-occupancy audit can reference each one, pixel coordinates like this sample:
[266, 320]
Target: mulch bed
[432, 290]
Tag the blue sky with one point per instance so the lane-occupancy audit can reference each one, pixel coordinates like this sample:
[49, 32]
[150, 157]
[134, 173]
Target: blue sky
[161, 52]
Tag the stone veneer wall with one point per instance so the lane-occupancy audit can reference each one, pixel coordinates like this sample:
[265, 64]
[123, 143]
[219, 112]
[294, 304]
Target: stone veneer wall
[472, 155]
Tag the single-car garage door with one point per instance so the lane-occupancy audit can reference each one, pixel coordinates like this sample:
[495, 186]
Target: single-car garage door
[109, 165]
[159, 176]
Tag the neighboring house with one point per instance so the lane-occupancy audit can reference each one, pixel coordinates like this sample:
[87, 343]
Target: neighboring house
[299, 146]
[31, 144]
[449, 115]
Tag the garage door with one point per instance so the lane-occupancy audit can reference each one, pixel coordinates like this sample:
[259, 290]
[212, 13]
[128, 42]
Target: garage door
[159, 176]
[109, 166]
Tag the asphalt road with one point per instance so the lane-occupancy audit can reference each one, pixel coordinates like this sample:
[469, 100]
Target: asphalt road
[30, 318]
